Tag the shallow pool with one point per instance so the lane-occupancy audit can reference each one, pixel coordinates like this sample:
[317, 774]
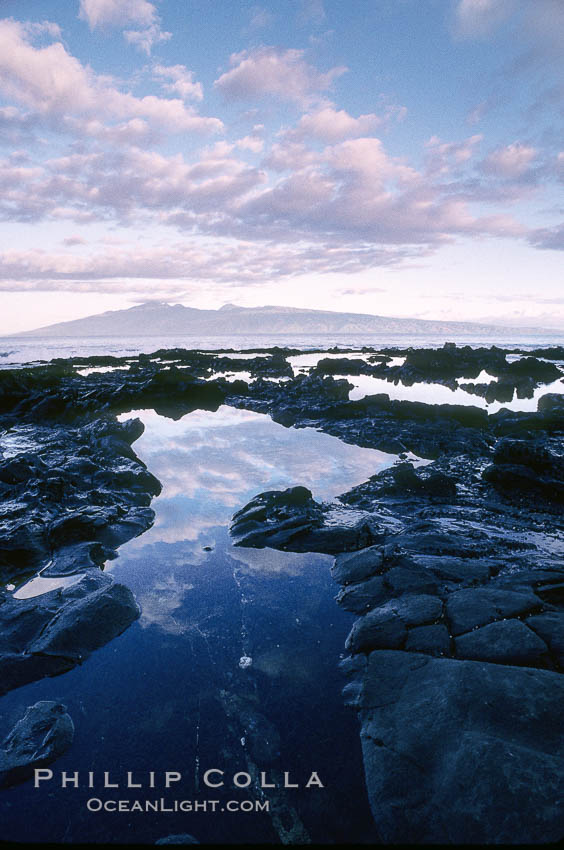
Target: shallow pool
[232, 666]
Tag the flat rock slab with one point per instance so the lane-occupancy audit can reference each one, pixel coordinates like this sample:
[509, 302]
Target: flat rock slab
[473, 607]
[44, 733]
[461, 751]
[352, 567]
[433, 640]
[504, 642]
[414, 609]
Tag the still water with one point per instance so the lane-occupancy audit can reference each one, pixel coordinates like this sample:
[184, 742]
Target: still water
[232, 665]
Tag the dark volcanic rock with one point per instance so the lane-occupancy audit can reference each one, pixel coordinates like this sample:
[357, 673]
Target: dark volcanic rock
[519, 465]
[44, 733]
[469, 608]
[550, 627]
[342, 366]
[276, 515]
[405, 580]
[432, 640]
[88, 491]
[379, 629]
[451, 362]
[52, 633]
[407, 479]
[356, 566]
[461, 751]
[364, 595]
[77, 559]
[292, 520]
[504, 642]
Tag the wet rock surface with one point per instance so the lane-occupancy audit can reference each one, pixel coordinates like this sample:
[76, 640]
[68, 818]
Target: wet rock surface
[44, 733]
[52, 633]
[454, 571]
[461, 751]
[456, 657]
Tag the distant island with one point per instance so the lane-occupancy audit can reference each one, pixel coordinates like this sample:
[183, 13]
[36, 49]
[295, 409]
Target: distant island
[157, 318]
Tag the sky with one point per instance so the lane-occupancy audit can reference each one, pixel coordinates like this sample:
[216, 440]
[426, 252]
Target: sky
[394, 157]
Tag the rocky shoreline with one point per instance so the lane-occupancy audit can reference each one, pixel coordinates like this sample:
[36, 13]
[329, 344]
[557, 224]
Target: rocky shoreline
[454, 569]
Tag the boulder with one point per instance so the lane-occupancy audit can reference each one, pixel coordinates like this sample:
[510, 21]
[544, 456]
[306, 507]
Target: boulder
[461, 752]
[51, 633]
[44, 733]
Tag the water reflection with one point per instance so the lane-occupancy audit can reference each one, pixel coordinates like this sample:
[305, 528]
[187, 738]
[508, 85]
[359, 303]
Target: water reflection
[257, 629]
[233, 663]
[211, 464]
[430, 393]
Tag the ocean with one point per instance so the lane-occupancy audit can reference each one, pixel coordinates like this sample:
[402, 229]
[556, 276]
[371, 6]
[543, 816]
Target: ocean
[18, 350]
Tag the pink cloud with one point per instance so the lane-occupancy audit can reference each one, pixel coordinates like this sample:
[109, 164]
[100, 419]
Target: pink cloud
[120, 13]
[181, 81]
[271, 71]
[510, 161]
[250, 143]
[444, 155]
[366, 159]
[54, 83]
[329, 124]
[168, 269]
[145, 39]
[290, 156]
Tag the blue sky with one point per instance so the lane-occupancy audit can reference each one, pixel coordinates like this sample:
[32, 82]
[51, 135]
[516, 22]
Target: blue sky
[399, 157]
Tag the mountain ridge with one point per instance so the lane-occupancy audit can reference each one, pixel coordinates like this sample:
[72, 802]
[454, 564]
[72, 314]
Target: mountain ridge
[158, 318]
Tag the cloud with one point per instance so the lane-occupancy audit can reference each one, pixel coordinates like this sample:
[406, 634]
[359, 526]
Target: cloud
[55, 84]
[443, 156]
[477, 18]
[16, 127]
[37, 29]
[117, 13]
[181, 81]
[250, 143]
[128, 184]
[145, 39]
[270, 71]
[260, 18]
[329, 124]
[171, 269]
[510, 161]
[548, 238]
[290, 156]
[311, 12]
[537, 26]
[121, 13]
[355, 193]
[352, 196]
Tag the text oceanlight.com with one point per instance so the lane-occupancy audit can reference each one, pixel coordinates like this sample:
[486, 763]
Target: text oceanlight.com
[162, 805]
